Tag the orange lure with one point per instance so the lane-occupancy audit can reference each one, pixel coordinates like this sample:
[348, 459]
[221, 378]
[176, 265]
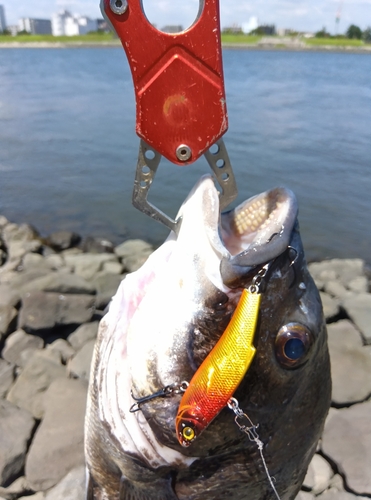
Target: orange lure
[221, 372]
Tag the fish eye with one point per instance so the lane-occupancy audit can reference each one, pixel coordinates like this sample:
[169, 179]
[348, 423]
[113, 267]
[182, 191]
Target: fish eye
[188, 433]
[292, 344]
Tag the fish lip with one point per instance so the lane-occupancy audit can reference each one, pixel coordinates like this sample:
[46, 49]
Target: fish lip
[269, 238]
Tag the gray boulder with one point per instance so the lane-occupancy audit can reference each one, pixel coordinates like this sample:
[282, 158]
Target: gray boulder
[63, 348]
[319, 475]
[8, 320]
[358, 307]
[29, 388]
[331, 306]
[16, 426]
[18, 342]
[350, 363]
[61, 240]
[133, 254]
[79, 365]
[346, 440]
[8, 296]
[6, 377]
[72, 486]
[58, 445]
[59, 282]
[106, 285]
[44, 310]
[87, 265]
[84, 333]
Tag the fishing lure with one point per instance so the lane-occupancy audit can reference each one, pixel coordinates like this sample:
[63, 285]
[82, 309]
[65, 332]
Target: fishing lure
[222, 370]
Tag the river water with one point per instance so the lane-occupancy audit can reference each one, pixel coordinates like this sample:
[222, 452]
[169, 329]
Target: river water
[68, 149]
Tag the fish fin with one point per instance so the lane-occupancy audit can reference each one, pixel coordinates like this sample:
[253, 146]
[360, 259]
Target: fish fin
[160, 489]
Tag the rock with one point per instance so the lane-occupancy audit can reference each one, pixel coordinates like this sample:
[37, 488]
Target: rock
[61, 240]
[16, 280]
[106, 286]
[20, 240]
[8, 296]
[304, 495]
[8, 319]
[59, 282]
[83, 334]
[58, 447]
[358, 308]
[343, 270]
[18, 342]
[19, 487]
[87, 265]
[44, 310]
[16, 426]
[132, 247]
[346, 440]
[6, 377]
[32, 260]
[96, 245]
[79, 365]
[134, 262]
[336, 289]
[72, 486]
[37, 496]
[319, 475]
[359, 285]
[63, 348]
[331, 306]
[133, 254]
[55, 261]
[350, 363]
[112, 267]
[334, 494]
[29, 388]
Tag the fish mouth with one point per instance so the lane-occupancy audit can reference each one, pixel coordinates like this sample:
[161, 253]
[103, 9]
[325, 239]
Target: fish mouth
[248, 236]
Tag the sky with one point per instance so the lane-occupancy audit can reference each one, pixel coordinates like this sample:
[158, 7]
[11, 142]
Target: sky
[302, 15]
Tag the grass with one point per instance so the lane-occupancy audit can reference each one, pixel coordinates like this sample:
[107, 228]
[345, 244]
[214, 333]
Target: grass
[226, 38]
[90, 38]
[96, 38]
[337, 42]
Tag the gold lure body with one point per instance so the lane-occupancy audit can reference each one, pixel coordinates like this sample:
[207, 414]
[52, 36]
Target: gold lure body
[221, 372]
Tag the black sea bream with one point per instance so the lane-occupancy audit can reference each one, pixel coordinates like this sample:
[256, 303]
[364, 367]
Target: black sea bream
[164, 320]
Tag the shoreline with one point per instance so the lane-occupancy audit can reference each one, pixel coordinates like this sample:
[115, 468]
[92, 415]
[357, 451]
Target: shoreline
[262, 45]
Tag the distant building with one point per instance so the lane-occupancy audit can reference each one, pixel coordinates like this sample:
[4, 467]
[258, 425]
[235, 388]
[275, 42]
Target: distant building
[102, 25]
[65, 23]
[35, 26]
[2, 19]
[172, 28]
[13, 28]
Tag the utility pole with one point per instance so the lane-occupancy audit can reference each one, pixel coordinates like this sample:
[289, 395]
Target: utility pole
[338, 16]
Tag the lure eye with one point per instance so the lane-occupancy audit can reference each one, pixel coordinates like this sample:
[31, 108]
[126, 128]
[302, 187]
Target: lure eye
[188, 433]
[292, 345]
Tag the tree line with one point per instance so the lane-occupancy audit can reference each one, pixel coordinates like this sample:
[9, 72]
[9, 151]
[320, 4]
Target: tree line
[353, 33]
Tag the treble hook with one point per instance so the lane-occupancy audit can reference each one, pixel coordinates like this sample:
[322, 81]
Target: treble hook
[165, 391]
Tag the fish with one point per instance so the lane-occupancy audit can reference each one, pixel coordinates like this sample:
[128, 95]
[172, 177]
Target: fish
[163, 323]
